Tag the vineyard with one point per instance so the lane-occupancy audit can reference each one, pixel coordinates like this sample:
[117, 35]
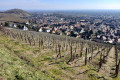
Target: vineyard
[53, 57]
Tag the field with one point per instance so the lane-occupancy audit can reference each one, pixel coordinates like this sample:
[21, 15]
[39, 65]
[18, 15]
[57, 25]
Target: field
[26, 55]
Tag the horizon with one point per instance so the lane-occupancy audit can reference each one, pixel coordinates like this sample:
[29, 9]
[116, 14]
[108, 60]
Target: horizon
[62, 10]
[60, 4]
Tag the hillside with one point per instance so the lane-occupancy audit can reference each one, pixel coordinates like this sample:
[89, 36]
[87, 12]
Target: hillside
[14, 15]
[27, 55]
[19, 12]
[14, 68]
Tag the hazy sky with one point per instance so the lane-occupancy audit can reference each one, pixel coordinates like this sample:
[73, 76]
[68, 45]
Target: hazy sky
[60, 4]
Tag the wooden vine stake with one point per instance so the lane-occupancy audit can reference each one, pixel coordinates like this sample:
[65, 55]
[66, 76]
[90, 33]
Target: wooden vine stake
[101, 61]
[29, 40]
[59, 51]
[86, 57]
[117, 63]
[117, 69]
[71, 53]
[81, 50]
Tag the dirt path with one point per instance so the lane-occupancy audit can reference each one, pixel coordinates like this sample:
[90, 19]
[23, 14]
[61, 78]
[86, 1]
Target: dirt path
[107, 67]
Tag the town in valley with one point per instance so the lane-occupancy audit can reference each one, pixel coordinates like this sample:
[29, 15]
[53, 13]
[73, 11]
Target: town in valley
[101, 26]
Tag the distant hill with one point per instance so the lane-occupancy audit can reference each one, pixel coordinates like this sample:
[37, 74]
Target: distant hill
[14, 15]
[18, 12]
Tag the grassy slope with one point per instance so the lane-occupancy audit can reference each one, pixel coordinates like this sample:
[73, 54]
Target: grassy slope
[23, 65]
[23, 62]
[12, 67]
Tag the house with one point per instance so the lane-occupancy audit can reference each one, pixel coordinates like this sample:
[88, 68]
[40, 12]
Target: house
[41, 29]
[82, 31]
[104, 38]
[24, 28]
[58, 32]
[118, 40]
[53, 32]
[109, 41]
[48, 30]
[14, 25]
[54, 29]
[98, 36]
[78, 36]
[67, 33]
[76, 33]
[71, 27]
[44, 29]
[27, 23]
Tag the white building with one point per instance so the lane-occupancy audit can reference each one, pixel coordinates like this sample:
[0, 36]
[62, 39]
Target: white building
[27, 23]
[82, 31]
[14, 25]
[48, 30]
[41, 29]
[25, 28]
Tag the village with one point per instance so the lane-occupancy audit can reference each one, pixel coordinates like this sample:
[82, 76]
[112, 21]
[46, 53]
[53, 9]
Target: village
[95, 28]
